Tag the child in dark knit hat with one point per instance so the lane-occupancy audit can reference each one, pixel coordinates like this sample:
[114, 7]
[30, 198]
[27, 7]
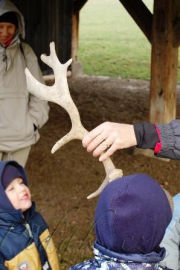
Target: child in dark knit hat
[25, 242]
[131, 217]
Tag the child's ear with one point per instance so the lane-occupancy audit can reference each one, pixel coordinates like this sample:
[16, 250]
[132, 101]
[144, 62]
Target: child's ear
[170, 199]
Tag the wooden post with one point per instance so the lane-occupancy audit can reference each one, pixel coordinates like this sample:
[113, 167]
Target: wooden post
[75, 35]
[164, 62]
[77, 5]
[76, 65]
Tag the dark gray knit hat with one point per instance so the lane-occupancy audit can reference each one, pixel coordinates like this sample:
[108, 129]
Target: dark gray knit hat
[9, 17]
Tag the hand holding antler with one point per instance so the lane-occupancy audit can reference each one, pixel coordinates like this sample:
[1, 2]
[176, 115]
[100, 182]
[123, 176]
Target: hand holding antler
[59, 93]
[115, 135]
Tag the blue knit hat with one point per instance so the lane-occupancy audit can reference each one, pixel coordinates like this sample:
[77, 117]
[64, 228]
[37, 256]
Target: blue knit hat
[132, 214]
[9, 174]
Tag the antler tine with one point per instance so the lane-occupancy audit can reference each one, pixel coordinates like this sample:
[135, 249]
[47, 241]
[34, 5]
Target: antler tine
[59, 93]
[99, 190]
[52, 58]
[111, 174]
[73, 134]
[59, 69]
[38, 89]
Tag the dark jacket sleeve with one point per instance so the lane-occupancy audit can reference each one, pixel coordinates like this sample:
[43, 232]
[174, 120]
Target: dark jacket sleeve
[146, 135]
[170, 140]
[165, 136]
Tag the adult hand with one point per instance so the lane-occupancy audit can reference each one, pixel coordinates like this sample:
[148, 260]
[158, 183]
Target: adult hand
[108, 137]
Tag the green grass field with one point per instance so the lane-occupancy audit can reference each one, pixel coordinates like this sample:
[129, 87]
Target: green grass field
[111, 44]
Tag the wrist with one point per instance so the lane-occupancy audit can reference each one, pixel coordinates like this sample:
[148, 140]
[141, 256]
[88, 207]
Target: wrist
[133, 137]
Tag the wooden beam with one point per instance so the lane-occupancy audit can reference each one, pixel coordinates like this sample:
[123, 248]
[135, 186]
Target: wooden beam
[177, 32]
[141, 15]
[78, 4]
[176, 23]
[64, 24]
[164, 63]
[75, 35]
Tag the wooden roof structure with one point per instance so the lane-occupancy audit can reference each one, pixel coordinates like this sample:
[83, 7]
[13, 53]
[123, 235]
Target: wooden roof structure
[58, 20]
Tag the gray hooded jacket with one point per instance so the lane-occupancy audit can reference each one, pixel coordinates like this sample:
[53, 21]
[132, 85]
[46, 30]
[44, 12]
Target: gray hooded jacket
[171, 240]
[19, 110]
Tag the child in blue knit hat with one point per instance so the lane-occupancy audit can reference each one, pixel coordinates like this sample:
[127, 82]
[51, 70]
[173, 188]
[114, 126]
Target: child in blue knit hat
[25, 242]
[131, 217]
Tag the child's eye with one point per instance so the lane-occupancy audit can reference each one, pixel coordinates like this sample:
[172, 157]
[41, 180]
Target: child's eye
[10, 28]
[10, 189]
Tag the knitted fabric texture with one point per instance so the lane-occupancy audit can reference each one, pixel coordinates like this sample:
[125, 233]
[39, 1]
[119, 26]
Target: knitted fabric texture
[132, 214]
[8, 171]
[9, 17]
[9, 174]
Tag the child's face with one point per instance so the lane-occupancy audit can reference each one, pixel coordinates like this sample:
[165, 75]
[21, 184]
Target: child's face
[19, 194]
[7, 32]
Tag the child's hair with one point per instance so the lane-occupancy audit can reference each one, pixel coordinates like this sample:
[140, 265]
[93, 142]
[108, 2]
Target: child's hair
[132, 215]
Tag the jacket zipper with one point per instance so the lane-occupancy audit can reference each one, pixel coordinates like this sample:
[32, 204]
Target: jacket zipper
[5, 58]
[28, 228]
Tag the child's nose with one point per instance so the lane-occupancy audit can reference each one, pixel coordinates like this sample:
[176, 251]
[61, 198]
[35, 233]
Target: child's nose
[5, 31]
[22, 187]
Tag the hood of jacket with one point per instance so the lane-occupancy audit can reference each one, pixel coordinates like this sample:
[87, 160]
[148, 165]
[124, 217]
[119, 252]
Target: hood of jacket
[5, 204]
[8, 6]
[108, 260]
[153, 257]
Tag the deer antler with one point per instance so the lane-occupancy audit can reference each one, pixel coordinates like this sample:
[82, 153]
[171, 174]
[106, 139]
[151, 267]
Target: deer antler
[59, 93]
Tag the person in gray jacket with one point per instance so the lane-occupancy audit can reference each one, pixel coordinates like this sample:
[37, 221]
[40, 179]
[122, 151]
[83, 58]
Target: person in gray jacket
[21, 114]
[171, 240]
[164, 139]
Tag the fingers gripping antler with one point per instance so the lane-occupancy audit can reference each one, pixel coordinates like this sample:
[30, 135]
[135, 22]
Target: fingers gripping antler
[59, 94]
